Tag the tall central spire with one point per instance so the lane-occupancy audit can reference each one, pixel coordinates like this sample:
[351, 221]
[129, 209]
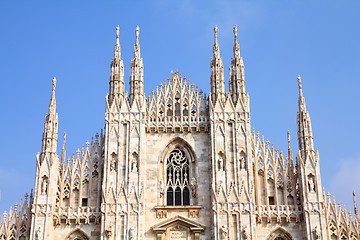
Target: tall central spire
[305, 135]
[217, 72]
[50, 134]
[116, 83]
[137, 72]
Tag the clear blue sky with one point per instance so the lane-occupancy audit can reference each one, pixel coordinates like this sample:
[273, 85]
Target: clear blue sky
[73, 40]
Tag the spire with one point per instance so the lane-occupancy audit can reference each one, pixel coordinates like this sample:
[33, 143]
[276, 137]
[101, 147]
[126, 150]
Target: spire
[289, 144]
[137, 44]
[302, 105]
[52, 104]
[216, 48]
[117, 50]
[356, 211]
[137, 72]
[117, 70]
[63, 151]
[217, 72]
[50, 134]
[236, 48]
[237, 76]
[305, 135]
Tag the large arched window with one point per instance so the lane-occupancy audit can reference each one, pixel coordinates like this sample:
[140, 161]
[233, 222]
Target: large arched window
[177, 178]
[77, 235]
[279, 234]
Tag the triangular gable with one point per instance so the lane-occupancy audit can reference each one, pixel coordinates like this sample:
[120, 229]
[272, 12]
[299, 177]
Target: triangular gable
[178, 221]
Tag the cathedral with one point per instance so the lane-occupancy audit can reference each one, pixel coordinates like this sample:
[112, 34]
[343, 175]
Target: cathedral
[177, 164]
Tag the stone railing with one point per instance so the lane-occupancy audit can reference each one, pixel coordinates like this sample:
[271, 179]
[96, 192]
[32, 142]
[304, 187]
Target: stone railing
[76, 215]
[270, 213]
[176, 124]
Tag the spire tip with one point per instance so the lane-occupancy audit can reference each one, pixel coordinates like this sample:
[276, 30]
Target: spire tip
[137, 31]
[54, 83]
[288, 136]
[299, 81]
[235, 30]
[117, 31]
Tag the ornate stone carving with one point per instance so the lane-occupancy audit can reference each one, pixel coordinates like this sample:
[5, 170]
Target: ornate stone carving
[316, 233]
[224, 230]
[245, 232]
[44, 185]
[193, 187]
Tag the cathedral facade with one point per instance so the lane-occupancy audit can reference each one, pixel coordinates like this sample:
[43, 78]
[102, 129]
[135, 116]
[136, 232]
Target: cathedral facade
[178, 164]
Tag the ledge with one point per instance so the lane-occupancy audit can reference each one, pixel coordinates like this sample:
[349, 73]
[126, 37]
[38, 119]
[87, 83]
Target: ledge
[193, 210]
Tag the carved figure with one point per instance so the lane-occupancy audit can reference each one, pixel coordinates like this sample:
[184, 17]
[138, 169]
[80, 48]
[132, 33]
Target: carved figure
[246, 234]
[108, 232]
[44, 186]
[113, 162]
[311, 184]
[242, 162]
[134, 165]
[131, 234]
[224, 232]
[221, 163]
[193, 187]
[38, 234]
[316, 233]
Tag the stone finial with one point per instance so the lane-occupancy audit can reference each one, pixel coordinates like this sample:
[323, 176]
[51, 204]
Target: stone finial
[236, 48]
[53, 84]
[299, 83]
[216, 49]
[288, 137]
[235, 31]
[137, 43]
[117, 34]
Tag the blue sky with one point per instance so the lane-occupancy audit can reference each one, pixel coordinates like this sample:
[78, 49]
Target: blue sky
[73, 40]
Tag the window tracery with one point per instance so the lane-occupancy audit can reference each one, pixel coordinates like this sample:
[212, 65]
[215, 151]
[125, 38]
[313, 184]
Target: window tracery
[177, 178]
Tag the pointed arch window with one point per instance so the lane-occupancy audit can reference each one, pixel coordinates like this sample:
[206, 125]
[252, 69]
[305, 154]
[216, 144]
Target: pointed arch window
[177, 179]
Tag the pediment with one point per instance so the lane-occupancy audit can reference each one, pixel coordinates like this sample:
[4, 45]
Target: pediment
[178, 222]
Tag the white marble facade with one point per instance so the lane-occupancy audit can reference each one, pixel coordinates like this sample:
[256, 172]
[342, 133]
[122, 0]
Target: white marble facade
[178, 164]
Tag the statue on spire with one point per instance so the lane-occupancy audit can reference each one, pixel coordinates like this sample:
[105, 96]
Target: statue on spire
[216, 49]
[236, 48]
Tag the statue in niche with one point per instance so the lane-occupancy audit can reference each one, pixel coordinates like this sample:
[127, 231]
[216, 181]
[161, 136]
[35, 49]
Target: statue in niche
[221, 163]
[38, 234]
[134, 164]
[44, 186]
[193, 187]
[316, 233]
[246, 234]
[113, 162]
[311, 183]
[108, 232]
[224, 232]
[242, 162]
[131, 234]
[161, 186]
